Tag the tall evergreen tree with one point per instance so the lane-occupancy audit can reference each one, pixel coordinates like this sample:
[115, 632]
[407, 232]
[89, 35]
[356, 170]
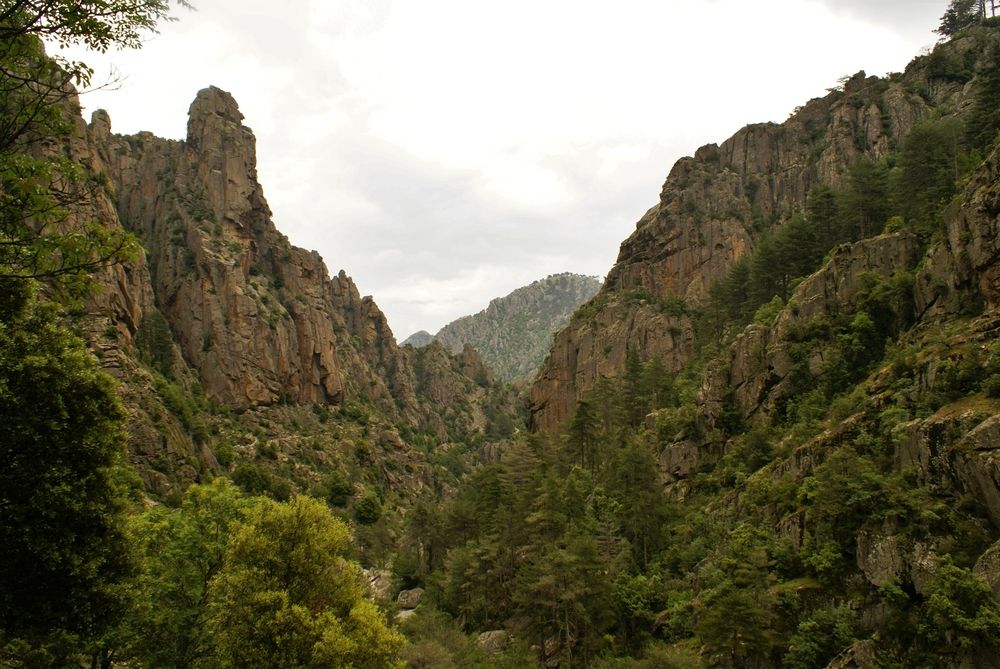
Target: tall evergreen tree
[961, 14]
[864, 203]
[928, 167]
[983, 120]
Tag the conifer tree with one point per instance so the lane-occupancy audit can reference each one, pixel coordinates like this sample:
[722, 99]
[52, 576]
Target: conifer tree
[961, 14]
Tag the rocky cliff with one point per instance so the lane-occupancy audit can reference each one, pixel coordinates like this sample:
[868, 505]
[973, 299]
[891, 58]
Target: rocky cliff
[259, 319]
[717, 205]
[943, 370]
[515, 331]
[222, 311]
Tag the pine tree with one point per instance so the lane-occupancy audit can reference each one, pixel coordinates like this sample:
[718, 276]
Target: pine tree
[983, 120]
[961, 14]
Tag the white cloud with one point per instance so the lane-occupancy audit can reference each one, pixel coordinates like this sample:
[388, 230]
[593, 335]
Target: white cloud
[445, 152]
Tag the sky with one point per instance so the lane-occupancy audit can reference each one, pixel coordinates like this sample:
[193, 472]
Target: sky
[446, 152]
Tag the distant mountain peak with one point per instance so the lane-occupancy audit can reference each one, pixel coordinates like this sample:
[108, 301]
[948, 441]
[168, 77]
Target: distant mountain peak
[418, 339]
[514, 332]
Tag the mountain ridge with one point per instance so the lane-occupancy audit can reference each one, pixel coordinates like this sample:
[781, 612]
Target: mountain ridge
[222, 311]
[717, 205]
[513, 332]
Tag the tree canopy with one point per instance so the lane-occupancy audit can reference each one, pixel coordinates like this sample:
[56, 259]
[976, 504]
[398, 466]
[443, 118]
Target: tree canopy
[46, 198]
[63, 552]
[964, 13]
[287, 596]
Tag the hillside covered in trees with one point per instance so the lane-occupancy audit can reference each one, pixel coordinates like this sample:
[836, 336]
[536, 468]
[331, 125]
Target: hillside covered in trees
[795, 463]
[769, 440]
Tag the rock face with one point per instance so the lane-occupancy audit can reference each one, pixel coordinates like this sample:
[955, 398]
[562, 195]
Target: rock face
[514, 332]
[755, 371]
[860, 655]
[259, 320]
[494, 641]
[409, 599]
[988, 569]
[715, 206]
[123, 294]
[229, 307]
[596, 343]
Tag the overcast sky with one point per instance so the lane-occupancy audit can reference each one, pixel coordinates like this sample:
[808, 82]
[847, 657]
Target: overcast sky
[445, 152]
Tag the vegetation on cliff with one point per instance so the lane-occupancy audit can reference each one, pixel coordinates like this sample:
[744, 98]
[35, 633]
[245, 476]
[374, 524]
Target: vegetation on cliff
[780, 452]
[827, 450]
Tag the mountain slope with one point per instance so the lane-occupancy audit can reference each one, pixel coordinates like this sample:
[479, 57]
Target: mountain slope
[789, 459]
[514, 332]
[717, 206]
[225, 335]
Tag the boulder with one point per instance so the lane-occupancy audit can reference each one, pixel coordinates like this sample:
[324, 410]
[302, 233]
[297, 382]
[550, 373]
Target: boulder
[409, 599]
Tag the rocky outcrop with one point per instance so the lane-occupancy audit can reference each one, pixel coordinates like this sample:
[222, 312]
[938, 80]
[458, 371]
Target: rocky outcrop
[988, 569]
[885, 556]
[969, 465]
[409, 599]
[222, 309]
[494, 641]
[715, 206]
[259, 320]
[755, 371]
[596, 344]
[861, 655]
[514, 332]
[963, 270]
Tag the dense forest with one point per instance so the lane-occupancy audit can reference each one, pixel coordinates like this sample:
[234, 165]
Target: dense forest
[813, 485]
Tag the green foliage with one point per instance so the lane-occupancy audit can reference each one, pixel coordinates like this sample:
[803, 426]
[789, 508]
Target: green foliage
[983, 120]
[181, 551]
[156, 343]
[738, 608]
[959, 615]
[821, 637]
[960, 14]
[864, 204]
[95, 25]
[338, 488]
[930, 164]
[188, 407]
[561, 594]
[255, 480]
[368, 508]
[767, 314]
[287, 596]
[63, 552]
[437, 642]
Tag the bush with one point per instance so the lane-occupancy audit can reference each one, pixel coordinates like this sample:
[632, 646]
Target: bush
[368, 509]
[338, 488]
[254, 480]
